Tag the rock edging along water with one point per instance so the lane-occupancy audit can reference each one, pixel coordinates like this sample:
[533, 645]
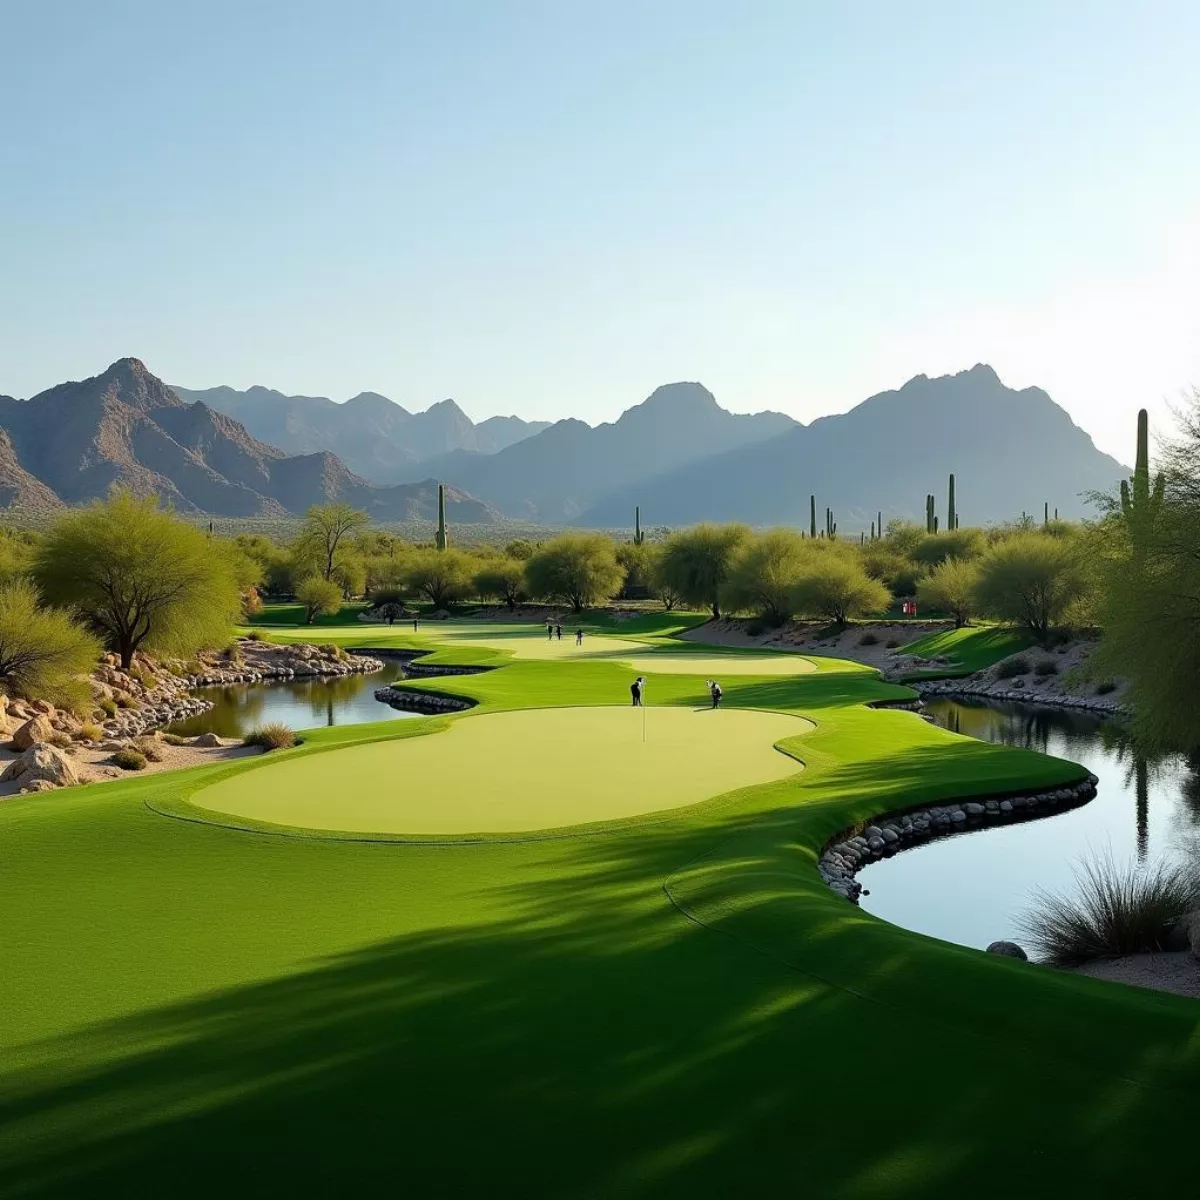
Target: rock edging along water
[859, 846]
[416, 700]
[998, 691]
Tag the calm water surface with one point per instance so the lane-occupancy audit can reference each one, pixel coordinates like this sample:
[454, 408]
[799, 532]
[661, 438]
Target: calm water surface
[300, 703]
[972, 888]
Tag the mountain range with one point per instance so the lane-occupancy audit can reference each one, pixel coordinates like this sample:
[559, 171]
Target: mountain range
[678, 455]
[125, 427]
[1011, 452]
[374, 436]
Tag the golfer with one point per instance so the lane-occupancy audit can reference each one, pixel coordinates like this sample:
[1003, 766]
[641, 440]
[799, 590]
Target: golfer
[714, 690]
[579, 637]
[635, 690]
[558, 632]
[549, 632]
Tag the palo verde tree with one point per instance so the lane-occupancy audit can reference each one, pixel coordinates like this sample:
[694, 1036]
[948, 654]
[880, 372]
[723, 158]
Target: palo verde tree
[580, 568]
[694, 563]
[1031, 580]
[1150, 589]
[501, 577]
[140, 577]
[951, 587]
[836, 586]
[320, 597]
[326, 533]
[43, 652]
[763, 576]
[441, 576]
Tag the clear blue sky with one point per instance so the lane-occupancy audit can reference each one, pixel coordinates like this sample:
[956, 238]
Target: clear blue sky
[551, 207]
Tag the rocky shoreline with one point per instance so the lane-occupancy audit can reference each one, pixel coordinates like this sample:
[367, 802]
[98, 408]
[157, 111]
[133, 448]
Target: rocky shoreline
[860, 845]
[418, 700]
[1000, 691]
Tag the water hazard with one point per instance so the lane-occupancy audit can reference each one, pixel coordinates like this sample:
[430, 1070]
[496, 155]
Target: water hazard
[973, 887]
[299, 703]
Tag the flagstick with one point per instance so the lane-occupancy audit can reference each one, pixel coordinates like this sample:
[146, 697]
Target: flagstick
[643, 722]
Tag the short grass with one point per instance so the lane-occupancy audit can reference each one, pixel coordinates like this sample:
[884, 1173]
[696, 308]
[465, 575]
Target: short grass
[671, 1005]
[562, 767]
[971, 649]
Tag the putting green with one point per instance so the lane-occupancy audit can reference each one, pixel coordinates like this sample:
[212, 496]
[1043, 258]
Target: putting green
[531, 642]
[518, 771]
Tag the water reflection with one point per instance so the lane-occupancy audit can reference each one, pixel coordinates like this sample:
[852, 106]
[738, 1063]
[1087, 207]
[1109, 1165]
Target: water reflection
[971, 888]
[300, 703]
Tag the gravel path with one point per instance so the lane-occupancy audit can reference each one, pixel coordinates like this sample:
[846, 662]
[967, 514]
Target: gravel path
[1176, 971]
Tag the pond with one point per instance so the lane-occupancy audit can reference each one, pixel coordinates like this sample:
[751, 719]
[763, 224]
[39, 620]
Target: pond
[972, 888]
[300, 703]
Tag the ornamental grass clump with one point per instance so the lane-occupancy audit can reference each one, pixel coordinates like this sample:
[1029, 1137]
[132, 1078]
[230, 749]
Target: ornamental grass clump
[275, 736]
[1115, 911]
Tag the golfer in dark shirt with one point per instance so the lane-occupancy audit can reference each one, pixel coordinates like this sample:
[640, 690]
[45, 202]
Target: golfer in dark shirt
[635, 690]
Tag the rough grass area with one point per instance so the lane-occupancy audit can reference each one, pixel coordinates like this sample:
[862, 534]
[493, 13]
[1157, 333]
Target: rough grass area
[673, 1005]
[974, 648]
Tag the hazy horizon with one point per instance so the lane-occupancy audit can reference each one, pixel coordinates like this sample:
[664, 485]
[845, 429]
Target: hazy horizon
[545, 211]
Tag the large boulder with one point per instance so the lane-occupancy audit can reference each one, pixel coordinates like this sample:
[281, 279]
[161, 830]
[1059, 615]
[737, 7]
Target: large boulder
[41, 762]
[36, 729]
[206, 740]
[1008, 950]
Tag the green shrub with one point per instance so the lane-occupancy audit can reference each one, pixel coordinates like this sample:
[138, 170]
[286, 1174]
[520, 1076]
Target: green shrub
[755, 629]
[124, 702]
[1105, 686]
[150, 748]
[275, 736]
[175, 739]
[868, 639]
[130, 759]
[108, 706]
[1010, 668]
[892, 644]
[1116, 911]
[1046, 667]
[89, 732]
[332, 651]
[257, 635]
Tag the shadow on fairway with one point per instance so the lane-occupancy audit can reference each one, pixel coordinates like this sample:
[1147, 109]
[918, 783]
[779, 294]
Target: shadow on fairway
[742, 1032]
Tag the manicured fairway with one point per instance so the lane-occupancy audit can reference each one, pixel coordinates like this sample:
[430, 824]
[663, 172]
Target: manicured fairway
[518, 771]
[531, 642]
[671, 1005]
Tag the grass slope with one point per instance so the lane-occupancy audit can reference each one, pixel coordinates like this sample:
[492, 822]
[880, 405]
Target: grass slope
[669, 1006]
[973, 648]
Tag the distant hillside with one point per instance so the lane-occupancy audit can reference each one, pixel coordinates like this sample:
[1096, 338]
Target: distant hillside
[375, 437]
[1010, 451]
[566, 469]
[125, 427]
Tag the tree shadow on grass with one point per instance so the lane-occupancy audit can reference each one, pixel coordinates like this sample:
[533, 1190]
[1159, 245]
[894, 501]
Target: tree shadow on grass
[742, 1032]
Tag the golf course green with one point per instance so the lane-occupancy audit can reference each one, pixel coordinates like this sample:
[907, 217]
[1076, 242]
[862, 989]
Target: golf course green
[670, 1003]
[519, 771]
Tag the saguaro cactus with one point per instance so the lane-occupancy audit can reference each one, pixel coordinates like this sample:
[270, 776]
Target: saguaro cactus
[1141, 504]
[951, 511]
[442, 539]
[879, 523]
[638, 536]
[812, 516]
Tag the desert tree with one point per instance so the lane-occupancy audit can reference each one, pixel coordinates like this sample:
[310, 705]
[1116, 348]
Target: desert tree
[694, 563]
[327, 531]
[43, 651]
[1032, 580]
[319, 597]
[139, 577]
[580, 568]
[442, 577]
[951, 587]
[837, 587]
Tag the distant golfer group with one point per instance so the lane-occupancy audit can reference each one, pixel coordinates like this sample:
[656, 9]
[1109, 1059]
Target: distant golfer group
[554, 633]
